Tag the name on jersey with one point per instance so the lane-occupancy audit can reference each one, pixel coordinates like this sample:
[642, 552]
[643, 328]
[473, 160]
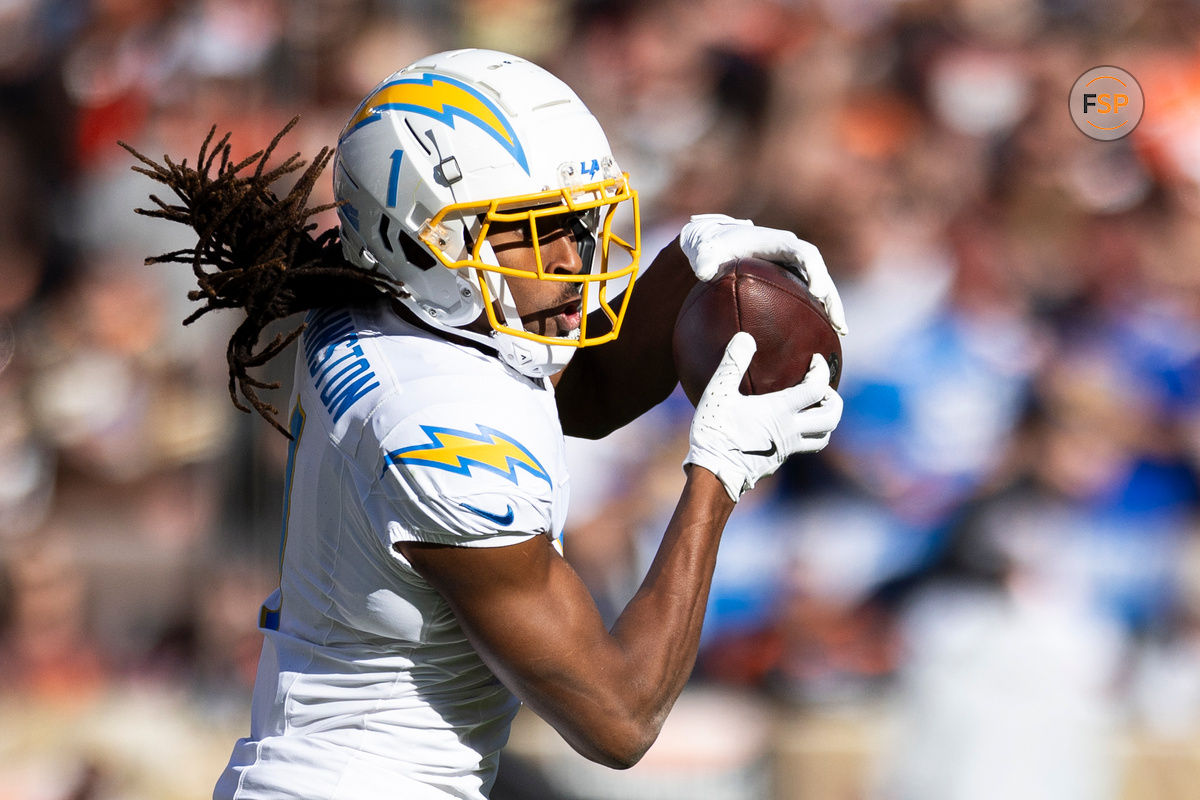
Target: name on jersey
[339, 368]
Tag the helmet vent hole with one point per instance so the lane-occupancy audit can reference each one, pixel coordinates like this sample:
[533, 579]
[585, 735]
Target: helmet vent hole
[411, 130]
[384, 224]
[414, 253]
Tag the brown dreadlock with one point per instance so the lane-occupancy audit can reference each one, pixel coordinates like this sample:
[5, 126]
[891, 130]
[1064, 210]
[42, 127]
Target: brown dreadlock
[258, 249]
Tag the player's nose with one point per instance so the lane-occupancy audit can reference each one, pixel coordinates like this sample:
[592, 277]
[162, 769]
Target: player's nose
[560, 256]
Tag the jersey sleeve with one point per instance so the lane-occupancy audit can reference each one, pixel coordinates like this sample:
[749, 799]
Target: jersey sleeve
[468, 474]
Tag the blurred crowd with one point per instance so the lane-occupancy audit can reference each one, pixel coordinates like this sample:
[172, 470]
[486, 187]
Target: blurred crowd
[1001, 545]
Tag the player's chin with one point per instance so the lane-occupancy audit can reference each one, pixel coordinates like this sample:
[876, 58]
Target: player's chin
[560, 329]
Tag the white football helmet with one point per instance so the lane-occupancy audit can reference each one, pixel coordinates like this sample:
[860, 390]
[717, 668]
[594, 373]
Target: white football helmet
[455, 142]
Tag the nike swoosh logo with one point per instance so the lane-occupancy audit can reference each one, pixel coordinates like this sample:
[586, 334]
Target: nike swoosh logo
[769, 452]
[499, 519]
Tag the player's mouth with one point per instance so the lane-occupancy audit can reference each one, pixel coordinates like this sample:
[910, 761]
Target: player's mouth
[561, 320]
[569, 319]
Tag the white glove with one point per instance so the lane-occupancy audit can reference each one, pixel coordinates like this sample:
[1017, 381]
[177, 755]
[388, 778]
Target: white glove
[710, 240]
[741, 438]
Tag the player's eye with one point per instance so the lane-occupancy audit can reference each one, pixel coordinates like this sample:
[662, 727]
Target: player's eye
[517, 229]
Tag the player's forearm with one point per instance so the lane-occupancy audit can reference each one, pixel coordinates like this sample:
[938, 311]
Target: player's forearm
[660, 627]
[531, 619]
[659, 630]
[608, 696]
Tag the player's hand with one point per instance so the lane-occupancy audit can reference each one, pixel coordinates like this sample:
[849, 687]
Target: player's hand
[741, 438]
[710, 240]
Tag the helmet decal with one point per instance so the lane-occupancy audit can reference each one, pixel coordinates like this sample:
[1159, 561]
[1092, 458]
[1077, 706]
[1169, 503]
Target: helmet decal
[442, 98]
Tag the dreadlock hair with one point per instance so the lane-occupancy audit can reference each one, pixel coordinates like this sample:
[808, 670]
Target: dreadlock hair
[256, 251]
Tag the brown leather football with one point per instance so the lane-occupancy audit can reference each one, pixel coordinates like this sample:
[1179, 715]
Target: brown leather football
[769, 302]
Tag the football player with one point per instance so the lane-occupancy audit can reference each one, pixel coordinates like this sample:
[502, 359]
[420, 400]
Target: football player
[423, 594]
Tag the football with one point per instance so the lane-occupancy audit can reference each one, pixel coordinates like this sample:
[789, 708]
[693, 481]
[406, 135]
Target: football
[771, 303]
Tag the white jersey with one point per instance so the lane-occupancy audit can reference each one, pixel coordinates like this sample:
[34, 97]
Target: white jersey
[367, 686]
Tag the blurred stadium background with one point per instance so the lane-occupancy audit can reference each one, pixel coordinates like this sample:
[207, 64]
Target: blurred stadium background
[988, 586]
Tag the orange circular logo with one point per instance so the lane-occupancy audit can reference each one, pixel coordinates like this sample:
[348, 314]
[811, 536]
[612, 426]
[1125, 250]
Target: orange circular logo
[1106, 103]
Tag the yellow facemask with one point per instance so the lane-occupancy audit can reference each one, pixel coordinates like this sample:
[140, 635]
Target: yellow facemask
[602, 199]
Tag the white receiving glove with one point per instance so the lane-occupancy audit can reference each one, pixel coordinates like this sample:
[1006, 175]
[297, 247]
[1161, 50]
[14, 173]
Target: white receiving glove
[710, 240]
[741, 438]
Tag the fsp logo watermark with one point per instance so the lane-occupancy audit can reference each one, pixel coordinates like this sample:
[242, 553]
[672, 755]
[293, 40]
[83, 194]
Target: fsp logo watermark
[1106, 103]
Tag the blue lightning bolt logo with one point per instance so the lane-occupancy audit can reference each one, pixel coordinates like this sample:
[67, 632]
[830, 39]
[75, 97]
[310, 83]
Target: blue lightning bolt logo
[458, 451]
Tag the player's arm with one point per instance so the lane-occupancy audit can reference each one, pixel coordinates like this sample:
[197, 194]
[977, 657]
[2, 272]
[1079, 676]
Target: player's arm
[608, 386]
[532, 620]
